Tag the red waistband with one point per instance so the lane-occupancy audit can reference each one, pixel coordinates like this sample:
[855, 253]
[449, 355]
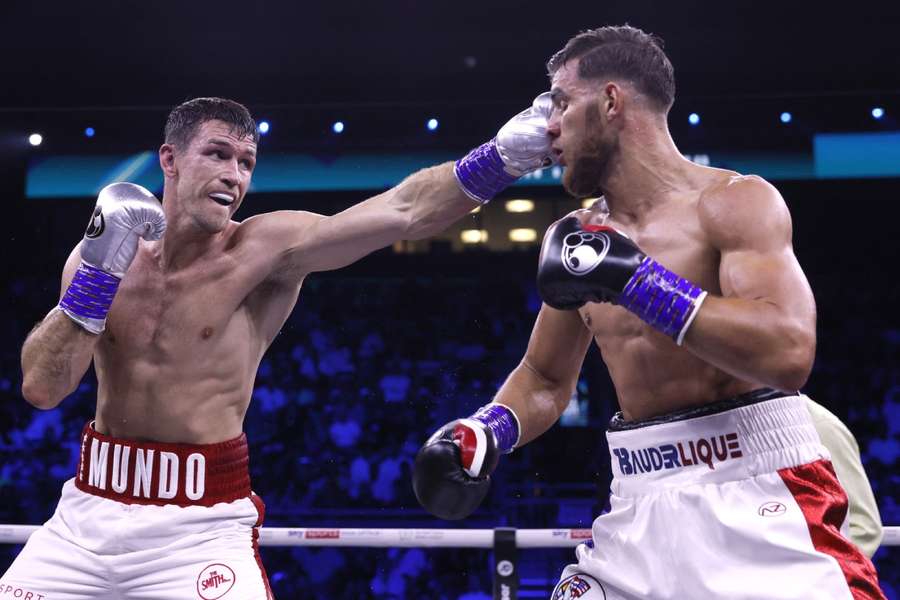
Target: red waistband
[136, 472]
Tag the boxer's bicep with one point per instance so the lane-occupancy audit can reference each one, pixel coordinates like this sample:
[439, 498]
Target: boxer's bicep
[769, 276]
[749, 224]
[751, 228]
[298, 242]
[342, 239]
[422, 205]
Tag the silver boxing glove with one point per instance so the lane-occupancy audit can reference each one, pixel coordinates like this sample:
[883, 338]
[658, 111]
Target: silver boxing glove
[521, 146]
[124, 213]
[523, 142]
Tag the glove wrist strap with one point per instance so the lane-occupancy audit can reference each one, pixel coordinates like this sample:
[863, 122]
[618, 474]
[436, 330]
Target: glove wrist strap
[661, 298]
[482, 174]
[502, 423]
[89, 296]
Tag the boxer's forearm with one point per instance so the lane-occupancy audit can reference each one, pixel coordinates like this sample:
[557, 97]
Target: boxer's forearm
[55, 357]
[430, 200]
[754, 340]
[537, 401]
[422, 205]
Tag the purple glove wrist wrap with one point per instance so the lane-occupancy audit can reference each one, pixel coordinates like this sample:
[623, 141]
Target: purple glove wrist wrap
[502, 423]
[662, 299]
[481, 173]
[91, 292]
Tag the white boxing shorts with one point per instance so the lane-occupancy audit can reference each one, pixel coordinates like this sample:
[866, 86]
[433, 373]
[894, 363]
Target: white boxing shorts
[144, 520]
[737, 500]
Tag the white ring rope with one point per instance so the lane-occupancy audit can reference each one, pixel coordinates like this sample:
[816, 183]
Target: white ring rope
[403, 538]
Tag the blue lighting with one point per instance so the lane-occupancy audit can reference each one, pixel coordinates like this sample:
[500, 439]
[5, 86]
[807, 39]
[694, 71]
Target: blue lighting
[877, 112]
[786, 117]
[338, 127]
[89, 132]
[263, 127]
[694, 119]
[432, 124]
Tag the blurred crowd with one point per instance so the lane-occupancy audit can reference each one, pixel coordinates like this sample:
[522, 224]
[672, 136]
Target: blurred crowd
[367, 367]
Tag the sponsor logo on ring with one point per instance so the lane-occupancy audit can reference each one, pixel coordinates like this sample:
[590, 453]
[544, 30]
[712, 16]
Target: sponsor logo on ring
[323, 534]
[505, 568]
[580, 534]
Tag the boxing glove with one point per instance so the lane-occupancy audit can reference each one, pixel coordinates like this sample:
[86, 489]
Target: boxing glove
[522, 145]
[124, 212]
[451, 473]
[596, 263]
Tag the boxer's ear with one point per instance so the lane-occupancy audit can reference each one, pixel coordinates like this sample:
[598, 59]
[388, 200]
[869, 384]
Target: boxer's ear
[167, 160]
[611, 101]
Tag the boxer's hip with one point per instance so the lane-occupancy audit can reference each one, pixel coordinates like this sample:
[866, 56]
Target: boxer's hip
[739, 498]
[130, 495]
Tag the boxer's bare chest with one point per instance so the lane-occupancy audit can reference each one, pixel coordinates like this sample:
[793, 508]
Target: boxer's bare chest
[172, 315]
[652, 375]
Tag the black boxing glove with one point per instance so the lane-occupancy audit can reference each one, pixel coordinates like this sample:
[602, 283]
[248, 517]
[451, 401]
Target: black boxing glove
[596, 263]
[451, 474]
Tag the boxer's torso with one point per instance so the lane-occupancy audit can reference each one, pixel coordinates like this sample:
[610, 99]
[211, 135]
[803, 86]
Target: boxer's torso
[179, 356]
[651, 374]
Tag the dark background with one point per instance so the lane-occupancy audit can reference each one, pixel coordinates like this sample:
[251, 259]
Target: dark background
[452, 324]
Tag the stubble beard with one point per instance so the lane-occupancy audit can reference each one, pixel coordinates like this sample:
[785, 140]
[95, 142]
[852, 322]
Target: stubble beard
[583, 177]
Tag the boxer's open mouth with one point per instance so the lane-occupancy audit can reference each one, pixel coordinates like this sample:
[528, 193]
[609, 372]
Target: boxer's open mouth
[222, 198]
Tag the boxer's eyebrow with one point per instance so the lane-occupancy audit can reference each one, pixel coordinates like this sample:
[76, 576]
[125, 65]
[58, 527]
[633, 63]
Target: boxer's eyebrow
[217, 142]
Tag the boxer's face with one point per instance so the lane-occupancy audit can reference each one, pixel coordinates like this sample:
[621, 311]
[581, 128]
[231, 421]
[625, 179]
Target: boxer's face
[584, 141]
[212, 174]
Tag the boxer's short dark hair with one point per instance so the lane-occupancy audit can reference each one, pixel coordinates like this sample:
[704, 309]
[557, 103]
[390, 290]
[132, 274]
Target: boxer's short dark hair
[186, 118]
[625, 52]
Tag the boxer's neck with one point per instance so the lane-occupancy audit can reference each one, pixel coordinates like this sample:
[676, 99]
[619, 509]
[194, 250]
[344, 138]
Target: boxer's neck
[184, 242]
[646, 171]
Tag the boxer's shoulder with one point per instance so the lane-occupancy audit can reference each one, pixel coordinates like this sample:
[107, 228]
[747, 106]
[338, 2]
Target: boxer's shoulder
[727, 190]
[278, 231]
[735, 207]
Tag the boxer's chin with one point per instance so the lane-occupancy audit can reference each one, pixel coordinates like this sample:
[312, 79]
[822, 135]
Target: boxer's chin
[582, 178]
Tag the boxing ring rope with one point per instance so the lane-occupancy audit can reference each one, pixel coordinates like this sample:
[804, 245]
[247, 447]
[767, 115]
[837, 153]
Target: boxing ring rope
[505, 542]
[403, 537]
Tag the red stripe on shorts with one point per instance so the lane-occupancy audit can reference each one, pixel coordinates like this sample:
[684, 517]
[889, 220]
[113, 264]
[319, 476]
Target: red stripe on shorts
[823, 501]
[261, 509]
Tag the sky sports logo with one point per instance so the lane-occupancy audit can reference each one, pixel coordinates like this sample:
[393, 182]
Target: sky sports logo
[706, 451]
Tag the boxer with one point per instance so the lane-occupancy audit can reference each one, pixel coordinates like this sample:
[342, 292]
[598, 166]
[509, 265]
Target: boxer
[175, 304]
[690, 288]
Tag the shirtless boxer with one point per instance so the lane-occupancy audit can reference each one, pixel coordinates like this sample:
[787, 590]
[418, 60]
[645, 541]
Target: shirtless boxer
[721, 487]
[176, 304]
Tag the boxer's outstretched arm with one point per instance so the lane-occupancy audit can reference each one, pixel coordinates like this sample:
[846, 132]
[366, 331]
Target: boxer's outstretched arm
[763, 326]
[420, 206]
[57, 352]
[539, 389]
